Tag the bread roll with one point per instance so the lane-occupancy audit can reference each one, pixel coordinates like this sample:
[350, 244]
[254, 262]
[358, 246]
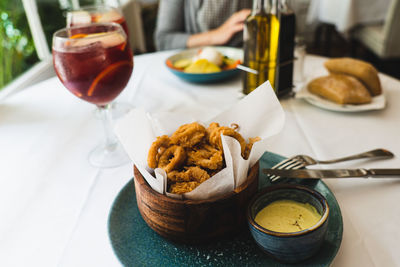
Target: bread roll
[362, 70]
[341, 89]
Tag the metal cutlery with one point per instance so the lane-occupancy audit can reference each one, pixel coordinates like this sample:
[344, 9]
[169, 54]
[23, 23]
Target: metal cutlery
[247, 69]
[301, 161]
[335, 173]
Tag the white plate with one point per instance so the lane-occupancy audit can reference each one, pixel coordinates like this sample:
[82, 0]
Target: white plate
[378, 102]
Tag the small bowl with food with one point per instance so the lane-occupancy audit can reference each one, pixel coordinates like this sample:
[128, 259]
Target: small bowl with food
[207, 64]
[288, 222]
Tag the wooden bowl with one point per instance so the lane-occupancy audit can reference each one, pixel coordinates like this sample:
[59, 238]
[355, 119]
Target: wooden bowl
[195, 221]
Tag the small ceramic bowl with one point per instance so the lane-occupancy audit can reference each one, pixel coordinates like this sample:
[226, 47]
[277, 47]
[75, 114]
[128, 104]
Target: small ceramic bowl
[295, 246]
[231, 52]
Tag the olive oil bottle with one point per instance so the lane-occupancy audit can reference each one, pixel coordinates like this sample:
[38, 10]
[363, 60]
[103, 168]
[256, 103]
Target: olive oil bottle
[261, 39]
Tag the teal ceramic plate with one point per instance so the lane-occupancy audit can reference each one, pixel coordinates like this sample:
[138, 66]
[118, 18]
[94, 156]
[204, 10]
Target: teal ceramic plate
[135, 244]
[231, 52]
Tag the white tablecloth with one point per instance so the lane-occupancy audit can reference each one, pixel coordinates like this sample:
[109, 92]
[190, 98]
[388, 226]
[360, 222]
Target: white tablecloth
[54, 206]
[345, 14]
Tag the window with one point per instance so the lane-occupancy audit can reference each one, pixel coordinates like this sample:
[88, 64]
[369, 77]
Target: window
[17, 53]
[52, 15]
[26, 30]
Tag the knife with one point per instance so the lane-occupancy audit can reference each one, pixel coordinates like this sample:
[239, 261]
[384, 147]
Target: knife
[334, 173]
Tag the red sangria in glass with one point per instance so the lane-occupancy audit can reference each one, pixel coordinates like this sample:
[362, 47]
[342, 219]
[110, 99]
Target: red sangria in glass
[94, 63]
[101, 13]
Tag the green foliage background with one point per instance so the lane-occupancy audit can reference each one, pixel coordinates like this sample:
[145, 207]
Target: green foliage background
[17, 49]
[52, 15]
[17, 52]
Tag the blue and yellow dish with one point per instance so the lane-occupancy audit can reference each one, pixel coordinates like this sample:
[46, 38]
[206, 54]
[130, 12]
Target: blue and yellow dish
[230, 52]
[289, 247]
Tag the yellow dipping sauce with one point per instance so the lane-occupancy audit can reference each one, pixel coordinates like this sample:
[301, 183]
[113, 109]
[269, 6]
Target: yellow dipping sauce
[287, 216]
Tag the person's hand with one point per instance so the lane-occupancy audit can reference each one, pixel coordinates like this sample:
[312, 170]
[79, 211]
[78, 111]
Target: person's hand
[222, 34]
[234, 24]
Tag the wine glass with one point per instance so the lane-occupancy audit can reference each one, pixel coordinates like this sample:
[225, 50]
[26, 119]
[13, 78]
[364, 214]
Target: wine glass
[94, 62]
[95, 14]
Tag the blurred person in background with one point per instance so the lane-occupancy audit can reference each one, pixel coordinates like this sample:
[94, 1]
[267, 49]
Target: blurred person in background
[193, 23]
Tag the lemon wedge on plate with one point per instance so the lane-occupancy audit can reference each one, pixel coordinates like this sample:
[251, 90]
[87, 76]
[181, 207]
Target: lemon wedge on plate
[202, 66]
[182, 63]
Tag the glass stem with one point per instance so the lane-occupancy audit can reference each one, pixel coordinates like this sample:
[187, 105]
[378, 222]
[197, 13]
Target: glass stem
[106, 118]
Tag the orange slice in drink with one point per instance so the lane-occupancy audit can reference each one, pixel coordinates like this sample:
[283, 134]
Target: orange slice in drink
[96, 17]
[104, 73]
[78, 35]
[75, 36]
[84, 35]
[81, 39]
[122, 46]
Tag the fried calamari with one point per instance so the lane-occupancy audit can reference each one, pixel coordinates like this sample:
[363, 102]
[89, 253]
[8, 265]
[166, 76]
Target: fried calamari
[214, 136]
[172, 158]
[188, 135]
[193, 154]
[156, 149]
[249, 146]
[190, 174]
[180, 188]
[206, 156]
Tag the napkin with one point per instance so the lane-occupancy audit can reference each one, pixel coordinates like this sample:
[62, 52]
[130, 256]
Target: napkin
[257, 114]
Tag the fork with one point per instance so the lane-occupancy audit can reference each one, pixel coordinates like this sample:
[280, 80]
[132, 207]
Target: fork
[300, 161]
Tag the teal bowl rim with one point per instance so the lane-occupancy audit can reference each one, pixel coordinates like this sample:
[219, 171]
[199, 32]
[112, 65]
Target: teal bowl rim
[310, 191]
[200, 74]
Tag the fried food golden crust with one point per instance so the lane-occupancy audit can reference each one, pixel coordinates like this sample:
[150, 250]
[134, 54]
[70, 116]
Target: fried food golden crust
[172, 158]
[197, 174]
[206, 156]
[215, 137]
[184, 187]
[235, 126]
[193, 154]
[191, 174]
[157, 147]
[213, 126]
[177, 176]
[249, 146]
[188, 135]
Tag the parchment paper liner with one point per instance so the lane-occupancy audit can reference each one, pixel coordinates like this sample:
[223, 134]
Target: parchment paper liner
[257, 114]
